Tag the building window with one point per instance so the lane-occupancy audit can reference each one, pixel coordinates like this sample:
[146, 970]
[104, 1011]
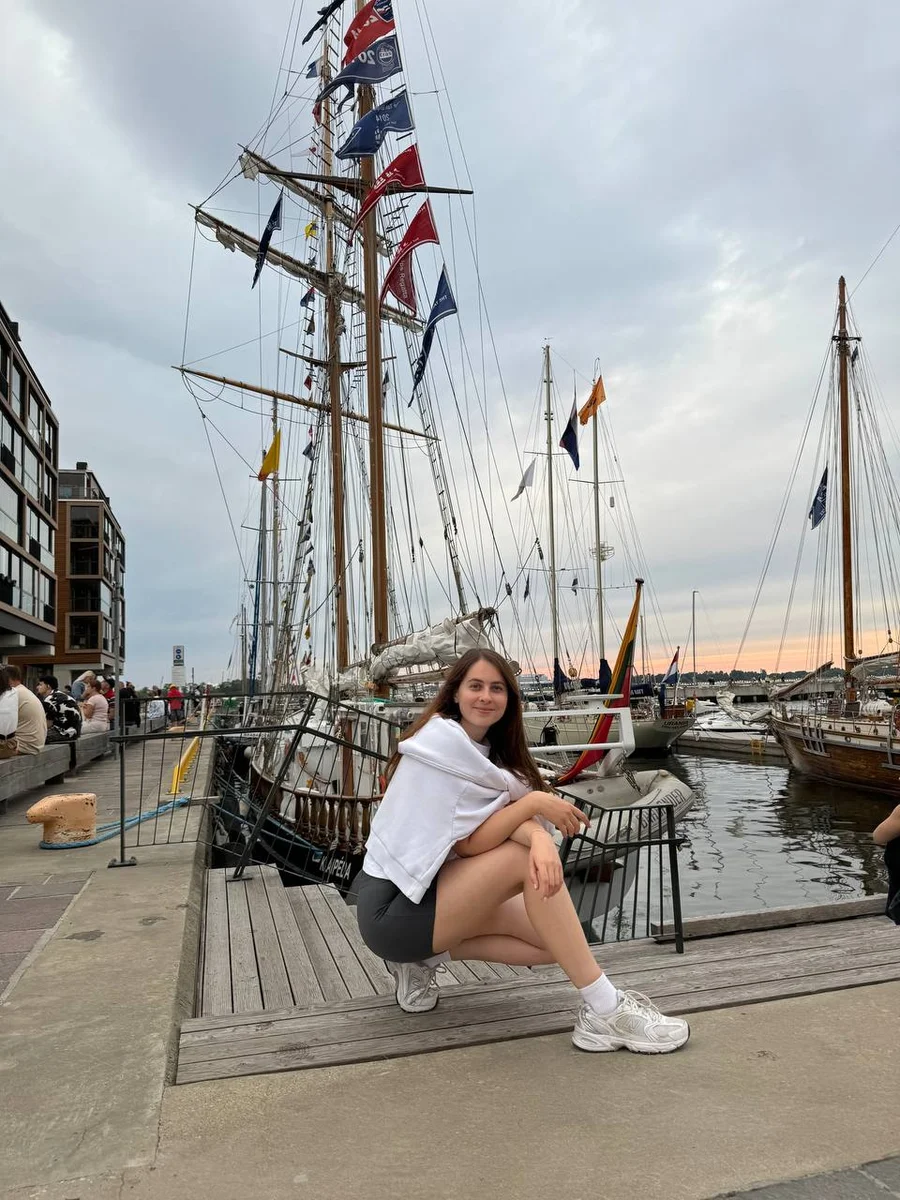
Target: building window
[4, 369]
[83, 633]
[107, 634]
[47, 600]
[40, 538]
[18, 391]
[84, 521]
[9, 511]
[85, 596]
[10, 444]
[35, 418]
[31, 473]
[84, 560]
[29, 589]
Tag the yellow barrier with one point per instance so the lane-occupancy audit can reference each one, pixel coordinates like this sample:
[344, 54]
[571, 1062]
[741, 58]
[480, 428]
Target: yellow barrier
[184, 765]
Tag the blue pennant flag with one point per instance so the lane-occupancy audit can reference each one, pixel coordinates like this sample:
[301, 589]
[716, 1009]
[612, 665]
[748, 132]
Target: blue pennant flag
[817, 512]
[274, 223]
[370, 131]
[444, 306]
[569, 439]
[375, 65]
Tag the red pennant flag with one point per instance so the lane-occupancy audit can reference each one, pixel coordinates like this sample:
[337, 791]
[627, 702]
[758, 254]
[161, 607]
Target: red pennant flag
[399, 278]
[369, 24]
[406, 169]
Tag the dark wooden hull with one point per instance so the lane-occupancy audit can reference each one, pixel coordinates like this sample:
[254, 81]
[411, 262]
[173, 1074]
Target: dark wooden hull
[843, 752]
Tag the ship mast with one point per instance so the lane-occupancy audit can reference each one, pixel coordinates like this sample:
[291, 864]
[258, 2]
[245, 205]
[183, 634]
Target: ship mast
[381, 630]
[554, 615]
[843, 342]
[335, 377]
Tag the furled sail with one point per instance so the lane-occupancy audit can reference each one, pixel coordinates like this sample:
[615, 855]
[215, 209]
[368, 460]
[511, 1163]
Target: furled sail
[798, 685]
[235, 239]
[442, 644]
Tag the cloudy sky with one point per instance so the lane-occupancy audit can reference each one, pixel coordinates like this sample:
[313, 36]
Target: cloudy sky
[671, 190]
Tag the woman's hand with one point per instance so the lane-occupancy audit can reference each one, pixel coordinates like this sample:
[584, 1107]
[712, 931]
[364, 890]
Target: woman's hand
[565, 816]
[545, 871]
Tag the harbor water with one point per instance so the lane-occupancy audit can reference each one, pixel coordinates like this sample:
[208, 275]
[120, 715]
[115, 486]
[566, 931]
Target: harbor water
[759, 836]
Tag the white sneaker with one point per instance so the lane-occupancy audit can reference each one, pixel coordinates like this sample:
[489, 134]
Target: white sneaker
[635, 1023]
[417, 989]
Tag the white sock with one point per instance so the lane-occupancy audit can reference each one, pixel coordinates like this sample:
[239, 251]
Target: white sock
[600, 996]
[437, 959]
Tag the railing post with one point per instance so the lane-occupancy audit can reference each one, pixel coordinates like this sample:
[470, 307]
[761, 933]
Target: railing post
[677, 921]
[122, 861]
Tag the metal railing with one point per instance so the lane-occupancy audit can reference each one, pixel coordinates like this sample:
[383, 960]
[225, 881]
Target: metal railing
[623, 870]
[300, 793]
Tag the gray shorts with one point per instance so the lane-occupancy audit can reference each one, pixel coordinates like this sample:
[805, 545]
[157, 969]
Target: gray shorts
[391, 925]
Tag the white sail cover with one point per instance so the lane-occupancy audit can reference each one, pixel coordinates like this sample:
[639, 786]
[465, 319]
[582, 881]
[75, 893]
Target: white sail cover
[442, 644]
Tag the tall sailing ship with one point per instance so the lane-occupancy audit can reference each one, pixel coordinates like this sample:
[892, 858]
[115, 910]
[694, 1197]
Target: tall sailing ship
[854, 738]
[359, 594]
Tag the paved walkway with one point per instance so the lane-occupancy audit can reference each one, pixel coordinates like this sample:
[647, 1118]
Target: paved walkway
[872, 1181]
[28, 914]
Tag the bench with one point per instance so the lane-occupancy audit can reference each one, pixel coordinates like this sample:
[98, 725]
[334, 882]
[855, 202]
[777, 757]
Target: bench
[27, 771]
[85, 749]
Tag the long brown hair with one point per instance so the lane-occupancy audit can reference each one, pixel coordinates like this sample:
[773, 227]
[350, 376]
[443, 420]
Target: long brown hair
[506, 737]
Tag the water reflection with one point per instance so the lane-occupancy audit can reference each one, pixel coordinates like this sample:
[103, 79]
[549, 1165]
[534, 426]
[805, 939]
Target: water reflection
[760, 837]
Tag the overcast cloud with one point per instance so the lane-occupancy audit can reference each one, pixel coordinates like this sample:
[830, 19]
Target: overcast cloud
[672, 190]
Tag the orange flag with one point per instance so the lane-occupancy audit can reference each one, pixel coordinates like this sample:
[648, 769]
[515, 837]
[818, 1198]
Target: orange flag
[596, 398]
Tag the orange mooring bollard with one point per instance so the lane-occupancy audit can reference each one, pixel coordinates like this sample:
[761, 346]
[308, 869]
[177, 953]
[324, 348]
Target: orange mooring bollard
[66, 818]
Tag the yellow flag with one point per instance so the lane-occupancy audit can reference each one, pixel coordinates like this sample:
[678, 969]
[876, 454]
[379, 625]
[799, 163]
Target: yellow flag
[596, 398]
[311, 229]
[273, 457]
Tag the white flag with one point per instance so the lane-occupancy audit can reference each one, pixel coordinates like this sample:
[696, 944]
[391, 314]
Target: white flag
[527, 479]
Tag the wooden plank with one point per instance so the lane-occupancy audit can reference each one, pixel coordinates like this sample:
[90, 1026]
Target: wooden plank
[402, 1044]
[381, 978]
[461, 972]
[246, 995]
[328, 976]
[347, 1024]
[273, 978]
[481, 970]
[620, 957]
[298, 964]
[774, 918]
[352, 973]
[216, 987]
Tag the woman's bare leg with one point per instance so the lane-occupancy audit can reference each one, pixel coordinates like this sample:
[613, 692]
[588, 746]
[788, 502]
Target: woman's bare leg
[471, 890]
[500, 948]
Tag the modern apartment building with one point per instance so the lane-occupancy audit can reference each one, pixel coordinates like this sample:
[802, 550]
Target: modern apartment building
[29, 449]
[90, 564]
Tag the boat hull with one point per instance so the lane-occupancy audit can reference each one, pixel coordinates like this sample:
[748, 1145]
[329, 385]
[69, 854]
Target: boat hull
[846, 752]
[652, 735]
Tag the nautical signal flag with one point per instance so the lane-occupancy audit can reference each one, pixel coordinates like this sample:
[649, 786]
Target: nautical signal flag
[399, 280]
[671, 676]
[526, 481]
[444, 306]
[311, 229]
[369, 132]
[569, 439]
[404, 172]
[596, 398]
[273, 457]
[273, 223]
[371, 66]
[313, 70]
[817, 512]
[371, 23]
[308, 451]
[324, 14]
[308, 298]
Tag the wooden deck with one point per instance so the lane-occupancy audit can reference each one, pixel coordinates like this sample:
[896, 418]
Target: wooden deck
[286, 982]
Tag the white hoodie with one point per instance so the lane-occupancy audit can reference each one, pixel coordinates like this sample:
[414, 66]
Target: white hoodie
[444, 787]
